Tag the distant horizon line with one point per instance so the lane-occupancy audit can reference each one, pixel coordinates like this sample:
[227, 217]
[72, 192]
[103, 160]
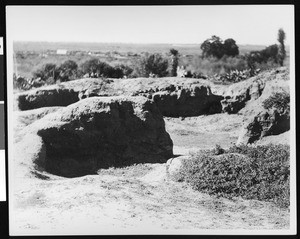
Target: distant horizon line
[137, 43]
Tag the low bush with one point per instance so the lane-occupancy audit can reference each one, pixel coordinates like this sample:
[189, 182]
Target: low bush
[236, 76]
[96, 68]
[46, 71]
[260, 172]
[124, 70]
[67, 71]
[20, 82]
[270, 53]
[211, 66]
[51, 73]
[279, 101]
[152, 65]
[23, 83]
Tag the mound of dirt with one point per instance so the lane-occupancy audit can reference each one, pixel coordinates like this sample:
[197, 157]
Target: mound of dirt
[174, 168]
[244, 95]
[100, 132]
[63, 94]
[266, 123]
[174, 97]
[184, 102]
[27, 117]
[190, 97]
[54, 96]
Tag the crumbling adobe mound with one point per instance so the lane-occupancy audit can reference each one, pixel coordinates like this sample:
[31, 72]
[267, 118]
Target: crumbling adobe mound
[245, 96]
[190, 97]
[266, 123]
[102, 132]
[54, 96]
[237, 98]
[63, 94]
[187, 101]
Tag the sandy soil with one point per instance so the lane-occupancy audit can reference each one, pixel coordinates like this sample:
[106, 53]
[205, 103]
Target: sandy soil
[136, 200]
[141, 199]
[203, 132]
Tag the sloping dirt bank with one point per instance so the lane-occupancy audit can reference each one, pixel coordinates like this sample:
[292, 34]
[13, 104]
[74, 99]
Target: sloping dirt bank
[140, 199]
[134, 200]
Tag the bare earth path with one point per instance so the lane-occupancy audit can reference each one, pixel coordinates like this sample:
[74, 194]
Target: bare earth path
[134, 200]
[140, 199]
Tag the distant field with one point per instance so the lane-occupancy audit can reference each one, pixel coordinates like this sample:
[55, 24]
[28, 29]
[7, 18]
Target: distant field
[30, 56]
[185, 49]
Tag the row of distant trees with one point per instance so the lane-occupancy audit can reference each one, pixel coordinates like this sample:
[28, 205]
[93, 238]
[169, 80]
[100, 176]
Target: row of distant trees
[276, 53]
[155, 65]
[148, 65]
[215, 47]
[69, 70]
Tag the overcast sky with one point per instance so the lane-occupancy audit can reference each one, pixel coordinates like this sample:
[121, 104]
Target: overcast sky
[150, 24]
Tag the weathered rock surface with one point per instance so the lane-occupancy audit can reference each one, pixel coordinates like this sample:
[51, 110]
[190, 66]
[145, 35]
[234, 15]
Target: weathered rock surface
[238, 94]
[46, 97]
[266, 123]
[174, 96]
[189, 98]
[184, 102]
[63, 94]
[27, 117]
[284, 138]
[102, 132]
[174, 168]
[251, 92]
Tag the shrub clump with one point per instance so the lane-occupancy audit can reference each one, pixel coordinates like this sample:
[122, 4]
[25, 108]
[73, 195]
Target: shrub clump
[260, 173]
[152, 65]
[236, 76]
[279, 101]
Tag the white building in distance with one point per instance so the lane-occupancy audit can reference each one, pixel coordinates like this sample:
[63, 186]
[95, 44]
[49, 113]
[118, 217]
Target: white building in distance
[61, 52]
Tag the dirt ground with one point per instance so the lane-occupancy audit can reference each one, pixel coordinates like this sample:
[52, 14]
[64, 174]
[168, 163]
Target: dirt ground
[146, 203]
[203, 132]
[140, 199]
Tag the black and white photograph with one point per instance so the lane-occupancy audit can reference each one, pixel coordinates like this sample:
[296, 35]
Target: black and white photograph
[151, 120]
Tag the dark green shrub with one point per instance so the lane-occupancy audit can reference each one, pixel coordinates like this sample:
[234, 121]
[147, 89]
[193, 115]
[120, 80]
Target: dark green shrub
[264, 59]
[260, 173]
[214, 47]
[68, 71]
[20, 82]
[270, 52]
[23, 83]
[281, 50]
[46, 71]
[96, 68]
[153, 64]
[174, 61]
[121, 71]
[126, 70]
[218, 150]
[211, 66]
[236, 76]
[279, 101]
[230, 47]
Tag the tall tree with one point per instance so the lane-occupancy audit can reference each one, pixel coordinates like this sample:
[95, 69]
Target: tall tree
[152, 64]
[281, 52]
[230, 47]
[174, 62]
[215, 47]
[212, 47]
[68, 70]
